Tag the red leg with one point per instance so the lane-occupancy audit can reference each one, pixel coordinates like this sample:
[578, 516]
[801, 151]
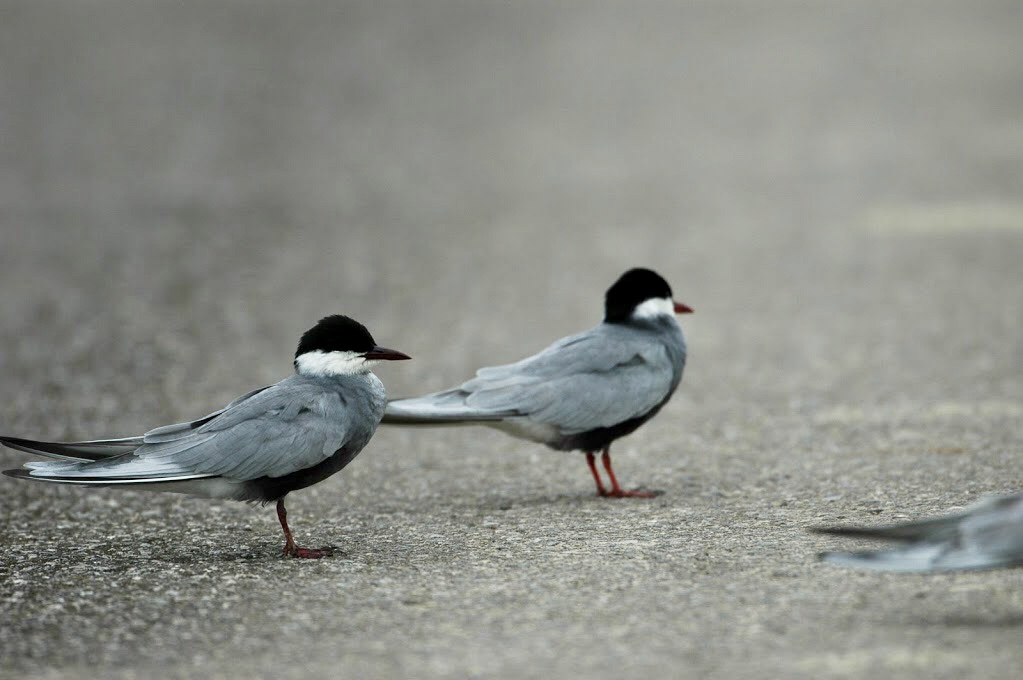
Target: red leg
[290, 549]
[596, 477]
[616, 490]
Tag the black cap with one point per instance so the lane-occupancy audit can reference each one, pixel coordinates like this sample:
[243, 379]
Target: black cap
[336, 333]
[632, 289]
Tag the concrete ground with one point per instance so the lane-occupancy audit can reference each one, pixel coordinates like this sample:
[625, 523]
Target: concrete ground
[834, 187]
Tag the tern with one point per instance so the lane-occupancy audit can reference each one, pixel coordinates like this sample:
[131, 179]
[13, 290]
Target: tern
[258, 448]
[582, 392]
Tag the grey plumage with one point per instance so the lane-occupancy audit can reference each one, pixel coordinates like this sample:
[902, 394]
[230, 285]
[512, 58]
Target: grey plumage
[259, 447]
[276, 431]
[596, 379]
[583, 391]
[986, 535]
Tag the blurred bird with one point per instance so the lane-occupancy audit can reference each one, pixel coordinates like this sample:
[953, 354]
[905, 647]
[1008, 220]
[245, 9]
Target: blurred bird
[582, 392]
[259, 447]
[986, 535]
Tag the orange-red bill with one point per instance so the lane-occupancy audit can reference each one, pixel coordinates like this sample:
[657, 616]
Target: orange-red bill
[681, 308]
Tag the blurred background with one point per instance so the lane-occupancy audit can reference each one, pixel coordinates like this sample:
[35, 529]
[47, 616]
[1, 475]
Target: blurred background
[185, 187]
[834, 187]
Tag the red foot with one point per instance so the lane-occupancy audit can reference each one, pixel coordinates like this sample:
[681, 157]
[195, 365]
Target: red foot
[292, 550]
[307, 553]
[634, 493]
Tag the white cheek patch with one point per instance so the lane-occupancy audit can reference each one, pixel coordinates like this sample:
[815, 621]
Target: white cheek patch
[331, 363]
[654, 307]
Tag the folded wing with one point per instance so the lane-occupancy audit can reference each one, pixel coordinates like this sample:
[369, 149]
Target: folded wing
[594, 379]
[270, 432]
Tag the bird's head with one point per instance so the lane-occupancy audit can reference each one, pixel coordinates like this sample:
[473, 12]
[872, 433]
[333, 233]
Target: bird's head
[339, 345]
[640, 294]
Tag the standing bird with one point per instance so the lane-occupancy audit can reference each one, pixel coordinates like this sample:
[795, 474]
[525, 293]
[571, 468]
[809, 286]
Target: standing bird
[582, 392]
[257, 448]
[986, 535]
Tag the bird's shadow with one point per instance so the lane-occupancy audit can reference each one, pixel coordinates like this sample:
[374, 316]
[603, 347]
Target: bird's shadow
[256, 553]
[509, 502]
[1004, 620]
[118, 556]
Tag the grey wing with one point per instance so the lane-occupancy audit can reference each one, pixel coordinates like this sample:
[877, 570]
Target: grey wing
[580, 383]
[271, 434]
[102, 449]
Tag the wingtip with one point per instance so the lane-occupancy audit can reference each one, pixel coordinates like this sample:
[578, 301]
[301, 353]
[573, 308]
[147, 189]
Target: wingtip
[10, 441]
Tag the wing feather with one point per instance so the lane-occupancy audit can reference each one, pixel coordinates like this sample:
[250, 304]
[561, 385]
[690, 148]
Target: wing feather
[269, 432]
[592, 381]
[272, 434]
[598, 378]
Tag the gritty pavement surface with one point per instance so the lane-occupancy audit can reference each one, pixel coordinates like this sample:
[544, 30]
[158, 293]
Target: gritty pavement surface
[834, 187]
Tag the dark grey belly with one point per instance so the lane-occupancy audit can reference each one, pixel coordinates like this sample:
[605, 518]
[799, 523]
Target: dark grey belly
[599, 438]
[267, 489]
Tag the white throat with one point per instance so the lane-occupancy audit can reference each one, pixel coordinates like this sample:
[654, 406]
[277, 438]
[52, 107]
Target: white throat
[317, 363]
[654, 307]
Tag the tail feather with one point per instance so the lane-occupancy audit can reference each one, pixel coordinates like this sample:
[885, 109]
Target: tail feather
[124, 469]
[209, 486]
[442, 408]
[55, 478]
[936, 529]
[399, 418]
[99, 449]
